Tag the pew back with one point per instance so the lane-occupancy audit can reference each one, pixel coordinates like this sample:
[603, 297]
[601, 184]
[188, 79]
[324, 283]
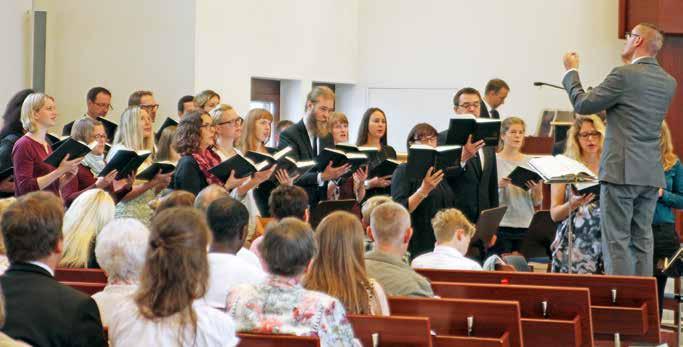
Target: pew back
[395, 331]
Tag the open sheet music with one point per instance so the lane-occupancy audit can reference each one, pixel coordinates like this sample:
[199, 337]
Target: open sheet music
[561, 169]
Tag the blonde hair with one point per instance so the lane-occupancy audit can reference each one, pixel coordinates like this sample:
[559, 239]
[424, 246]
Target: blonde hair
[249, 142]
[668, 157]
[447, 221]
[336, 117]
[130, 133]
[318, 92]
[32, 104]
[88, 214]
[4, 203]
[338, 268]
[505, 126]
[217, 112]
[204, 96]
[573, 149]
[370, 204]
[389, 222]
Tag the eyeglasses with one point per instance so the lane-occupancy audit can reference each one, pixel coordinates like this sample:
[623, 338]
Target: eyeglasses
[150, 107]
[207, 125]
[103, 105]
[586, 135]
[234, 122]
[470, 105]
[101, 137]
[426, 139]
[630, 34]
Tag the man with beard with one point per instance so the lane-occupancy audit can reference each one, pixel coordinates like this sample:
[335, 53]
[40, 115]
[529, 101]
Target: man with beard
[636, 97]
[309, 137]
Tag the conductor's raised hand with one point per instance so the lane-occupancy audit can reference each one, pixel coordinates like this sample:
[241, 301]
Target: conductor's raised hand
[570, 60]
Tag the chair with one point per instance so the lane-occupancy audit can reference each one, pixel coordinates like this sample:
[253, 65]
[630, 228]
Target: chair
[271, 340]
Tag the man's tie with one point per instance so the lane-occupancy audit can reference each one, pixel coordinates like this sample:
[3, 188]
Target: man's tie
[315, 146]
[494, 114]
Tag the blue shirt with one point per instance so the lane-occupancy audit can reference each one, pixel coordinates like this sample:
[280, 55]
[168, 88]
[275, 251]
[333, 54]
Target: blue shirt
[672, 196]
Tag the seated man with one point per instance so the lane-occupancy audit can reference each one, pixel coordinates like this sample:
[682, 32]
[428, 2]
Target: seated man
[281, 305]
[390, 229]
[228, 220]
[40, 310]
[453, 233]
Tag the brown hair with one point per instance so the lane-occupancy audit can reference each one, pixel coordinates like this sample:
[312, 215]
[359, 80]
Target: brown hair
[336, 117]
[288, 201]
[204, 96]
[365, 125]
[419, 131]
[505, 125]
[248, 140]
[573, 149]
[495, 85]
[668, 157]
[176, 270]
[288, 247]
[134, 99]
[318, 92]
[4, 203]
[187, 134]
[339, 267]
[32, 226]
[176, 198]
[466, 90]
[166, 143]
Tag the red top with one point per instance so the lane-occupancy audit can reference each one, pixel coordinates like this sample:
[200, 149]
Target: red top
[85, 180]
[27, 159]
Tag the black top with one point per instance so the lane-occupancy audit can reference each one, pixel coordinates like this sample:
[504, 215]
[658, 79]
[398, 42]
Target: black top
[187, 175]
[6, 145]
[43, 312]
[387, 152]
[421, 218]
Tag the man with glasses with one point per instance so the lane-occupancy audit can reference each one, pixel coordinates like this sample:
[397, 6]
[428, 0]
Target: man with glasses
[636, 97]
[145, 100]
[98, 101]
[475, 179]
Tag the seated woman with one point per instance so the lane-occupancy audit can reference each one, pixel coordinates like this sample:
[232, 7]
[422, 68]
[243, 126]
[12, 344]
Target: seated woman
[88, 214]
[135, 133]
[11, 131]
[520, 202]
[120, 251]
[373, 133]
[338, 268]
[345, 187]
[167, 309]
[584, 144]
[165, 145]
[88, 130]
[31, 173]
[423, 198]
[281, 305]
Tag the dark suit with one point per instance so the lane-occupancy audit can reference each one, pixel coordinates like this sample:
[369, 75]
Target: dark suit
[636, 97]
[296, 137]
[485, 113]
[44, 312]
[109, 128]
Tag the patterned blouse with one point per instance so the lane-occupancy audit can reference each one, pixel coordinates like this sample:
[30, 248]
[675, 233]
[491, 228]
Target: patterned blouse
[281, 305]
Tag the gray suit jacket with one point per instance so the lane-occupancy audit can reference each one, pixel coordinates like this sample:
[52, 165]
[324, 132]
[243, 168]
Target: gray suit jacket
[636, 97]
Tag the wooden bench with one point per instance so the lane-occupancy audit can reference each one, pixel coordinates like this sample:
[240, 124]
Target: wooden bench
[495, 323]
[634, 313]
[87, 288]
[80, 275]
[565, 322]
[271, 340]
[395, 331]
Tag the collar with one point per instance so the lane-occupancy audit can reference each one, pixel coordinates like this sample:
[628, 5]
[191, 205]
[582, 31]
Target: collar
[447, 250]
[44, 266]
[283, 282]
[385, 258]
[640, 58]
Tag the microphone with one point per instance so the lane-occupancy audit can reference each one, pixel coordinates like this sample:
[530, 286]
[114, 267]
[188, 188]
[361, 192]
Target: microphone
[540, 84]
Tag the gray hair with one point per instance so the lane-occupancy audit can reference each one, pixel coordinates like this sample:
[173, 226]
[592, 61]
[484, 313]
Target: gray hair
[389, 222]
[208, 195]
[121, 248]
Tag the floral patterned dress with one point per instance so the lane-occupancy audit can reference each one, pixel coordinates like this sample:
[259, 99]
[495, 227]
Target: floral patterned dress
[587, 246]
[281, 305]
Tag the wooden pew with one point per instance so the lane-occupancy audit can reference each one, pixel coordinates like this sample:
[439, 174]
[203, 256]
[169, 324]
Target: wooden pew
[495, 323]
[568, 316]
[86, 288]
[395, 331]
[80, 275]
[268, 340]
[634, 314]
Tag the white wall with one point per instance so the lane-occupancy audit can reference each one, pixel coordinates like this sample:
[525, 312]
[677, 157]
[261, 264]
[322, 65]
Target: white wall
[15, 42]
[123, 45]
[299, 40]
[414, 55]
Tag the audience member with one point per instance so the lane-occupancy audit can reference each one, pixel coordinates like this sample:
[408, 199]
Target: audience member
[453, 234]
[98, 102]
[495, 93]
[373, 132]
[520, 202]
[10, 132]
[584, 144]
[168, 309]
[31, 173]
[89, 213]
[166, 144]
[145, 100]
[40, 310]
[366, 211]
[5, 340]
[176, 198]
[120, 251]
[391, 231]
[281, 305]
[228, 220]
[423, 198]
[207, 100]
[185, 104]
[4, 261]
[338, 269]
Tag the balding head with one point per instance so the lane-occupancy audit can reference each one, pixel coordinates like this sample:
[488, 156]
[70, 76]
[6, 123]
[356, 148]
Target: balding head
[208, 195]
[389, 223]
[652, 36]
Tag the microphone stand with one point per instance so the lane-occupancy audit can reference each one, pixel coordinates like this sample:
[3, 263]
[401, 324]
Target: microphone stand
[541, 84]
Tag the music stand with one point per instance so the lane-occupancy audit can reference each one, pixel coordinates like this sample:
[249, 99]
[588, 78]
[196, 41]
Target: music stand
[541, 233]
[328, 206]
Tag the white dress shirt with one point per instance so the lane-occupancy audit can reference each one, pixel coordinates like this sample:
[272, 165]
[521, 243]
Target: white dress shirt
[129, 328]
[109, 299]
[227, 271]
[444, 257]
[44, 266]
[249, 256]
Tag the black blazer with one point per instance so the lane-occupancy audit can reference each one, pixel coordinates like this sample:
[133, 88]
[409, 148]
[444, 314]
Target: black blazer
[44, 312]
[187, 175]
[296, 137]
[421, 218]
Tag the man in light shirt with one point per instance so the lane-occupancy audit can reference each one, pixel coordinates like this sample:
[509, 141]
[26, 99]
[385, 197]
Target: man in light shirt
[453, 233]
[228, 220]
